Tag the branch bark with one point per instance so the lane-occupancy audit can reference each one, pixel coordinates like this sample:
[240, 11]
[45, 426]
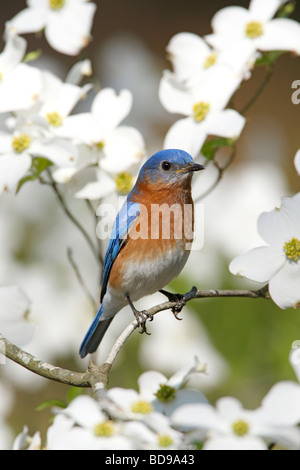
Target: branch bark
[96, 377]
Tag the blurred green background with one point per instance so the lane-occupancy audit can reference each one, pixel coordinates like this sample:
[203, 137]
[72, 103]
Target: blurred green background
[253, 336]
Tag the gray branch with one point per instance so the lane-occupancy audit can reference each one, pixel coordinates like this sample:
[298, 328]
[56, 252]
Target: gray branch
[96, 377]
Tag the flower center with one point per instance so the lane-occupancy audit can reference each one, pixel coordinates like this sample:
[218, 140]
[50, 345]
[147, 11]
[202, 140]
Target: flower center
[164, 440]
[99, 145]
[56, 4]
[165, 393]
[104, 429]
[200, 110]
[254, 29]
[124, 182]
[292, 249]
[21, 143]
[240, 427]
[142, 407]
[210, 60]
[54, 119]
[1, 76]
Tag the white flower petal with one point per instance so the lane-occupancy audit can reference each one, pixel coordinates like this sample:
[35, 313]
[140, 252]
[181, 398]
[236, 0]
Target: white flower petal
[280, 225]
[149, 383]
[29, 20]
[284, 287]
[97, 189]
[235, 443]
[81, 128]
[20, 88]
[85, 411]
[197, 416]
[282, 404]
[123, 148]
[12, 169]
[259, 264]
[280, 34]
[58, 151]
[226, 123]
[68, 31]
[78, 71]
[297, 161]
[186, 134]
[264, 11]
[14, 305]
[187, 52]
[109, 109]
[174, 96]
[230, 21]
[12, 54]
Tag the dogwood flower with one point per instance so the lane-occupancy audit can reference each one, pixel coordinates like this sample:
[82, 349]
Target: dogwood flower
[107, 184]
[254, 29]
[120, 147]
[229, 426]
[14, 323]
[203, 104]
[58, 99]
[157, 393]
[24, 441]
[27, 141]
[158, 434]
[20, 84]
[277, 263]
[191, 57]
[67, 23]
[83, 426]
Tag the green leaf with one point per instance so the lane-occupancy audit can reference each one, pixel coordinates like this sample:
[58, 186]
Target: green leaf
[39, 164]
[50, 403]
[210, 147]
[75, 392]
[269, 58]
[33, 55]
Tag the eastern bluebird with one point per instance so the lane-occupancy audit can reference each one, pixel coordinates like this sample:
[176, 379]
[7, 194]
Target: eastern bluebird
[140, 258]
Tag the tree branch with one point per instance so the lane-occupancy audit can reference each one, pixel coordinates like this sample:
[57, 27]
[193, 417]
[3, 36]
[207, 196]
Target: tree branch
[96, 377]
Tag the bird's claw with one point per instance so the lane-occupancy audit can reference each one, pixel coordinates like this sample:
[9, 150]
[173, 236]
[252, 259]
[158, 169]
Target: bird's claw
[141, 318]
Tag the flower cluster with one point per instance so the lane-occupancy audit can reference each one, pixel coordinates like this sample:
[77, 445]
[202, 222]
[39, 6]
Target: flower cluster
[39, 131]
[165, 416]
[43, 137]
[208, 71]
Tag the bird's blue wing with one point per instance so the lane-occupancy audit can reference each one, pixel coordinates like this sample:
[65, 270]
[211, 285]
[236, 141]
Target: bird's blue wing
[125, 218]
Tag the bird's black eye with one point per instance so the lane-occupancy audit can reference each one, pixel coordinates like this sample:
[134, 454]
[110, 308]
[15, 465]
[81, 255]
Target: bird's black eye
[166, 166]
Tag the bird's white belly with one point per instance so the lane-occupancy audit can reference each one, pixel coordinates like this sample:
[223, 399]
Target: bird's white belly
[152, 274]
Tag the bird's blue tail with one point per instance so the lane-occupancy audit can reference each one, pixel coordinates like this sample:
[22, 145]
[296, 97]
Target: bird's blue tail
[95, 334]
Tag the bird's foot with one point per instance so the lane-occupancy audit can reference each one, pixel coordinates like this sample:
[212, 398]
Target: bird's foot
[180, 299]
[140, 316]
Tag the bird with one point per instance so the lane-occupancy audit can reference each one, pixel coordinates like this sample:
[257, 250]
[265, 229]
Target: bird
[149, 242]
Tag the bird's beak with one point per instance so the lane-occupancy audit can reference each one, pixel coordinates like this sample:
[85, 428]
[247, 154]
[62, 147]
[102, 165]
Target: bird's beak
[191, 167]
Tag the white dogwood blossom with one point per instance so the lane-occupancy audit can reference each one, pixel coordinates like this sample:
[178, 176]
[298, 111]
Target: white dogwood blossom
[278, 262]
[229, 426]
[67, 23]
[203, 105]
[254, 29]
[14, 321]
[20, 84]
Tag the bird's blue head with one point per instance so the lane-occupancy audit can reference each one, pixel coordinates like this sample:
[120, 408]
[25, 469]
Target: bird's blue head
[171, 166]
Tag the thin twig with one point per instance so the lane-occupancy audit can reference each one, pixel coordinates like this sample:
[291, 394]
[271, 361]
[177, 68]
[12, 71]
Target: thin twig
[259, 91]
[71, 216]
[97, 377]
[80, 279]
